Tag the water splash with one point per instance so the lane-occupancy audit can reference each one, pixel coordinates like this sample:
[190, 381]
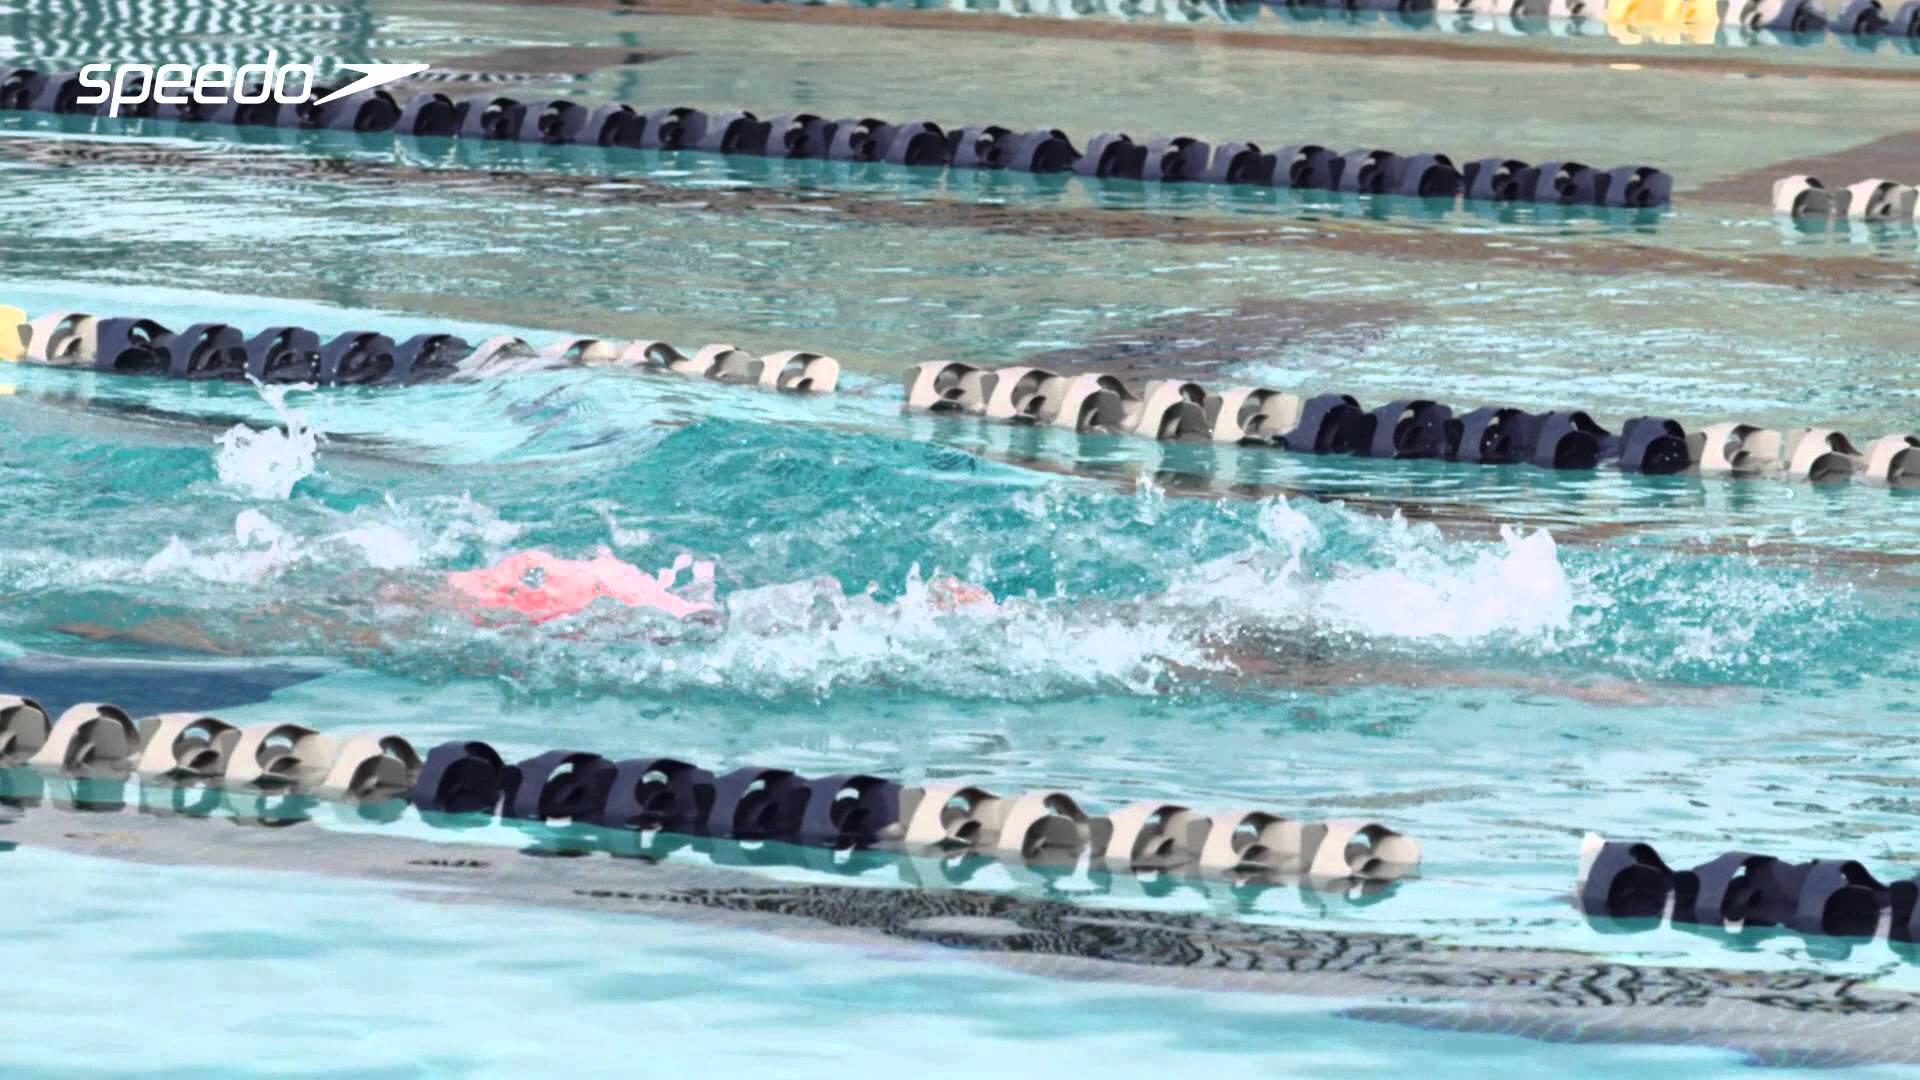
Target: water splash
[1096, 590]
[1431, 588]
[259, 549]
[390, 535]
[267, 464]
[399, 536]
[812, 637]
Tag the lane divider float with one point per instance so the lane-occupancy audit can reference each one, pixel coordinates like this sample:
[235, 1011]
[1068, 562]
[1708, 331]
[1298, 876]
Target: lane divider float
[97, 741]
[1173, 410]
[1872, 199]
[292, 354]
[1162, 409]
[920, 143]
[1741, 889]
[1093, 403]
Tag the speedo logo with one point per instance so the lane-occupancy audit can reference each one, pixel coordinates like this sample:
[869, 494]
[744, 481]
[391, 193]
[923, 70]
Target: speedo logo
[132, 85]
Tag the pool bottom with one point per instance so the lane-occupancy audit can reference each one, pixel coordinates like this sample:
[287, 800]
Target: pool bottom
[1774, 1019]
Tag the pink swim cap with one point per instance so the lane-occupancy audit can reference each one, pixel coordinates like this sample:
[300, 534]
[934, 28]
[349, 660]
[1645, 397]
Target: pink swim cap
[543, 586]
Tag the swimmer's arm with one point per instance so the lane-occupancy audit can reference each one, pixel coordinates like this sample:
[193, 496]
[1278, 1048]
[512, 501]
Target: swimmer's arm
[170, 632]
[1320, 672]
[166, 631]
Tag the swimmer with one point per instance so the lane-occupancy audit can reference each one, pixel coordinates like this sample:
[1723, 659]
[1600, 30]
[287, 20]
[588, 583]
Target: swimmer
[535, 587]
[532, 586]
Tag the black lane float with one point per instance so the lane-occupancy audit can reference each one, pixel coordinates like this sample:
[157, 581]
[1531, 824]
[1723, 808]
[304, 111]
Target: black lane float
[1744, 889]
[1108, 156]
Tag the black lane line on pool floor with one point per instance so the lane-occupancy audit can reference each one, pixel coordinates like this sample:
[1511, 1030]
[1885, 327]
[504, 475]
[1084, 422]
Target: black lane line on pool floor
[149, 686]
[1554, 995]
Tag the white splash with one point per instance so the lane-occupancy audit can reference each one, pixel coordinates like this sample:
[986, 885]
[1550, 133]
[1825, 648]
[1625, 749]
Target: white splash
[267, 464]
[941, 635]
[1521, 591]
[388, 536]
[383, 547]
[1428, 591]
[260, 549]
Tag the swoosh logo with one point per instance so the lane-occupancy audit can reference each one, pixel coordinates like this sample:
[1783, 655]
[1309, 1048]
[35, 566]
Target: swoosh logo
[373, 75]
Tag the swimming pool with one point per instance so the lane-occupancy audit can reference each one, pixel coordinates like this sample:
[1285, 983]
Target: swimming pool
[1494, 661]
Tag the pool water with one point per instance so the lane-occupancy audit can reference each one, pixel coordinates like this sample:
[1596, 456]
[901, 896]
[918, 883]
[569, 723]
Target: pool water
[1493, 661]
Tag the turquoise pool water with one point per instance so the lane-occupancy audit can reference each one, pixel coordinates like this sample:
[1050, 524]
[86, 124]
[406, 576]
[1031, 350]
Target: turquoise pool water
[1494, 661]
[489, 992]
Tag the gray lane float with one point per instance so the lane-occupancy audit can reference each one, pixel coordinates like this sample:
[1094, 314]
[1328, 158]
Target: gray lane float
[356, 358]
[752, 803]
[645, 793]
[1498, 180]
[1871, 200]
[557, 784]
[203, 351]
[1409, 429]
[1794, 18]
[1329, 424]
[1650, 444]
[1865, 17]
[126, 346]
